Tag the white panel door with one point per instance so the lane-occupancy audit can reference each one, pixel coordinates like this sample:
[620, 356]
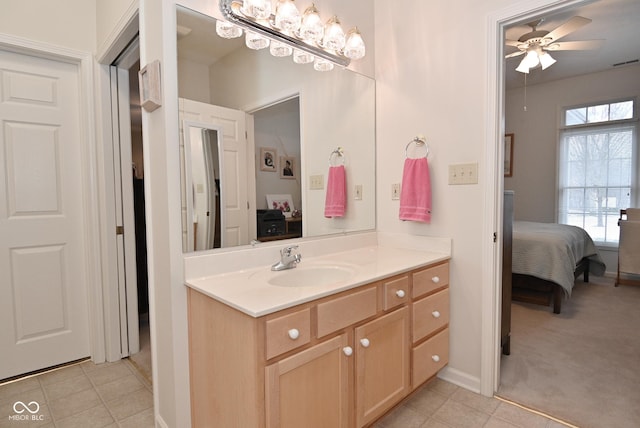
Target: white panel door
[43, 291]
[235, 203]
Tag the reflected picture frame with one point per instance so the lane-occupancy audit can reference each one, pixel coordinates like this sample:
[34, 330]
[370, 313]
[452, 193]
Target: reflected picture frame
[508, 155]
[287, 167]
[282, 202]
[268, 159]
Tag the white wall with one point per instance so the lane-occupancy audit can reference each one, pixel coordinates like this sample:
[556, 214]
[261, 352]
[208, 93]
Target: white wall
[432, 78]
[536, 133]
[69, 24]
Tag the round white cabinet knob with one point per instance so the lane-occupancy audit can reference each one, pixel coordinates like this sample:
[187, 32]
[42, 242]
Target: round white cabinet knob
[435, 314]
[435, 358]
[347, 351]
[294, 333]
[435, 279]
[400, 293]
[365, 342]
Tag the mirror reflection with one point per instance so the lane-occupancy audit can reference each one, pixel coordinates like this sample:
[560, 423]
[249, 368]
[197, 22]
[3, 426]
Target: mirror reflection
[257, 133]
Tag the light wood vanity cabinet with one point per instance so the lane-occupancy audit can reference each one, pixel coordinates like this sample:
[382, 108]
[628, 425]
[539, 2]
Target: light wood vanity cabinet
[339, 361]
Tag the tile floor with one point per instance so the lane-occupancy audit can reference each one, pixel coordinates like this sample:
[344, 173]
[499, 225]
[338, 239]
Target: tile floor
[117, 395]
[440, 404]
[82, 395]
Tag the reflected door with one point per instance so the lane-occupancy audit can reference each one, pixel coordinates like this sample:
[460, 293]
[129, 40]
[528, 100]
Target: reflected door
[234, 193]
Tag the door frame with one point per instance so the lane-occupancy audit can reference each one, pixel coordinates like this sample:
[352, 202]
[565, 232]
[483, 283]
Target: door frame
[89, 172]
[494, 157]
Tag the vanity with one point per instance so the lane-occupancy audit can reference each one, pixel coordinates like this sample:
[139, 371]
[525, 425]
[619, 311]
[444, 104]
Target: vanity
[336, 342]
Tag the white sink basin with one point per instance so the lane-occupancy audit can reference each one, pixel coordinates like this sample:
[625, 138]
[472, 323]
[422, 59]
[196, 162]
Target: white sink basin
[311, 276]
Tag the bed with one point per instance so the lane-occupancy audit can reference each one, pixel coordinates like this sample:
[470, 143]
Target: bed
[547, 258]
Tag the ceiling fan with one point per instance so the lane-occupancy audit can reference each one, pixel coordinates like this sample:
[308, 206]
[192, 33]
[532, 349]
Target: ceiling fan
[535, 44]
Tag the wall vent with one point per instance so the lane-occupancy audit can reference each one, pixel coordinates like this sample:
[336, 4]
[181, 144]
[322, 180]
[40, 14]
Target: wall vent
[633, 61]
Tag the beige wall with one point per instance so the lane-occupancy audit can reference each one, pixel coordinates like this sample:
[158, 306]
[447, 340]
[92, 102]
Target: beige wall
[69, 24]
[109, 14]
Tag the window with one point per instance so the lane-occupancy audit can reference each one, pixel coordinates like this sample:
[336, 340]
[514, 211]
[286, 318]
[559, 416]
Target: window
[598, 157]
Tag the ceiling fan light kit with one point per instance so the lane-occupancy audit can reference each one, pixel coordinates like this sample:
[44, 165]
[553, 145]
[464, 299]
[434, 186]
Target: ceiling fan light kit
[535, 44]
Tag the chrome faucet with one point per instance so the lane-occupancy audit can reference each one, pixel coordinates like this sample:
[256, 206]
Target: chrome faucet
[289, 258]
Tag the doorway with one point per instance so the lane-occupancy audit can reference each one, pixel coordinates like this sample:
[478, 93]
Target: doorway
[130, 210]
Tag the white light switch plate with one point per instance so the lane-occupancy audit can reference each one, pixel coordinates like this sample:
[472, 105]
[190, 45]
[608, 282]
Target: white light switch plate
[464, 173]
[316, 182]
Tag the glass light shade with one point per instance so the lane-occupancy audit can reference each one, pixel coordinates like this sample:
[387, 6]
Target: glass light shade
[255, 41]
[287, 16]
[546, 60]
[311, 28]
[334, 38]
[322, 65]
[302, 57]
[227, 30]
[259, 9]
[280, 49]
[523, 67]
[354, 46]
[532, 59]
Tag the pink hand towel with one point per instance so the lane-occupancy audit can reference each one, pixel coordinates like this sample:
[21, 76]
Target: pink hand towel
[415, 194]
[336, 198]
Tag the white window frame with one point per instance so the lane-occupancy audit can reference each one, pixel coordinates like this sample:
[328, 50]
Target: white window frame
[635, 156]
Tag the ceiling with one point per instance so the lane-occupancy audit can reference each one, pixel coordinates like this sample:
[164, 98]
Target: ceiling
[617, 22]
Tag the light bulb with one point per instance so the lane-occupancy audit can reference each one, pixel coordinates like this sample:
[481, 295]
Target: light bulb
[311, 28]
[280, 49]
[259, 9]
[255, 41]
[287, 16]
[302, 57]
[333, 35]
[322, 65]
[227, 30]
[354, 46]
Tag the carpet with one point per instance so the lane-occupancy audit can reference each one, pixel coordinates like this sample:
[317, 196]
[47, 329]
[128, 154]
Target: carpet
[582, 365]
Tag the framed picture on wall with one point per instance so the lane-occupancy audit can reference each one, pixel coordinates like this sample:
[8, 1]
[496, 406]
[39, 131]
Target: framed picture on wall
[287, 167]
[508, 155]
[268, 159]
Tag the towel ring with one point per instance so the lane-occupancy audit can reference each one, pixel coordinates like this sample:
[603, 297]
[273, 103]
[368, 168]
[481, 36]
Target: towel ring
[419, 141]
[337, 154]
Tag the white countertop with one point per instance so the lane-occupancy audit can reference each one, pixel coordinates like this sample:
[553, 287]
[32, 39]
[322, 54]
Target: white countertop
[249, 291]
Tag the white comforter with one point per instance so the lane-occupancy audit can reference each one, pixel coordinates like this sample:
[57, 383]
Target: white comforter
[550, 251]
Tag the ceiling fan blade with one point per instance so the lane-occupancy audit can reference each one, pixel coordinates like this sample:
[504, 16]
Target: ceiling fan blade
[568, 27]
[515, 43]
[511, 55]
[584, 45]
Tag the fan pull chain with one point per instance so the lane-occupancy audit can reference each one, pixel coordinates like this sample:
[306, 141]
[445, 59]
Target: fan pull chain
[525, 92]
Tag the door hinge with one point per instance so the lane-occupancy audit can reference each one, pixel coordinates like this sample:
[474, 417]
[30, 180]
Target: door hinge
[119, 230]
[495, 236]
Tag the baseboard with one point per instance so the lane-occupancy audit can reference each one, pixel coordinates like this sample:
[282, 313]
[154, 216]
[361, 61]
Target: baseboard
[461, 379]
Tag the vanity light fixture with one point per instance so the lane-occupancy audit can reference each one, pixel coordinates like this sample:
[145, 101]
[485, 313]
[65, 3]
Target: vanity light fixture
[289, 32]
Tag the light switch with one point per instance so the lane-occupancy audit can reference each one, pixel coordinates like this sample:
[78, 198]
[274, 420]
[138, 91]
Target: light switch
[395, 191]
[316, 182]
[466, 173]
[358, 192]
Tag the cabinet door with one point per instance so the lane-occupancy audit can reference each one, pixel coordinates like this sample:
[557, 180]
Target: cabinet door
[311, 388]
[382, 364]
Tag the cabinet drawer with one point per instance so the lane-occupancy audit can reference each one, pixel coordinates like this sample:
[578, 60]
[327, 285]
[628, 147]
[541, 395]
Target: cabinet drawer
[430, 279]
[429, 357]
[395, 292]
[346, 310]
[430, 314]
[288, 332]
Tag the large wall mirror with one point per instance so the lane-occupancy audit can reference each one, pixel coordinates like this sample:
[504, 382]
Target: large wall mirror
[257, 135]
